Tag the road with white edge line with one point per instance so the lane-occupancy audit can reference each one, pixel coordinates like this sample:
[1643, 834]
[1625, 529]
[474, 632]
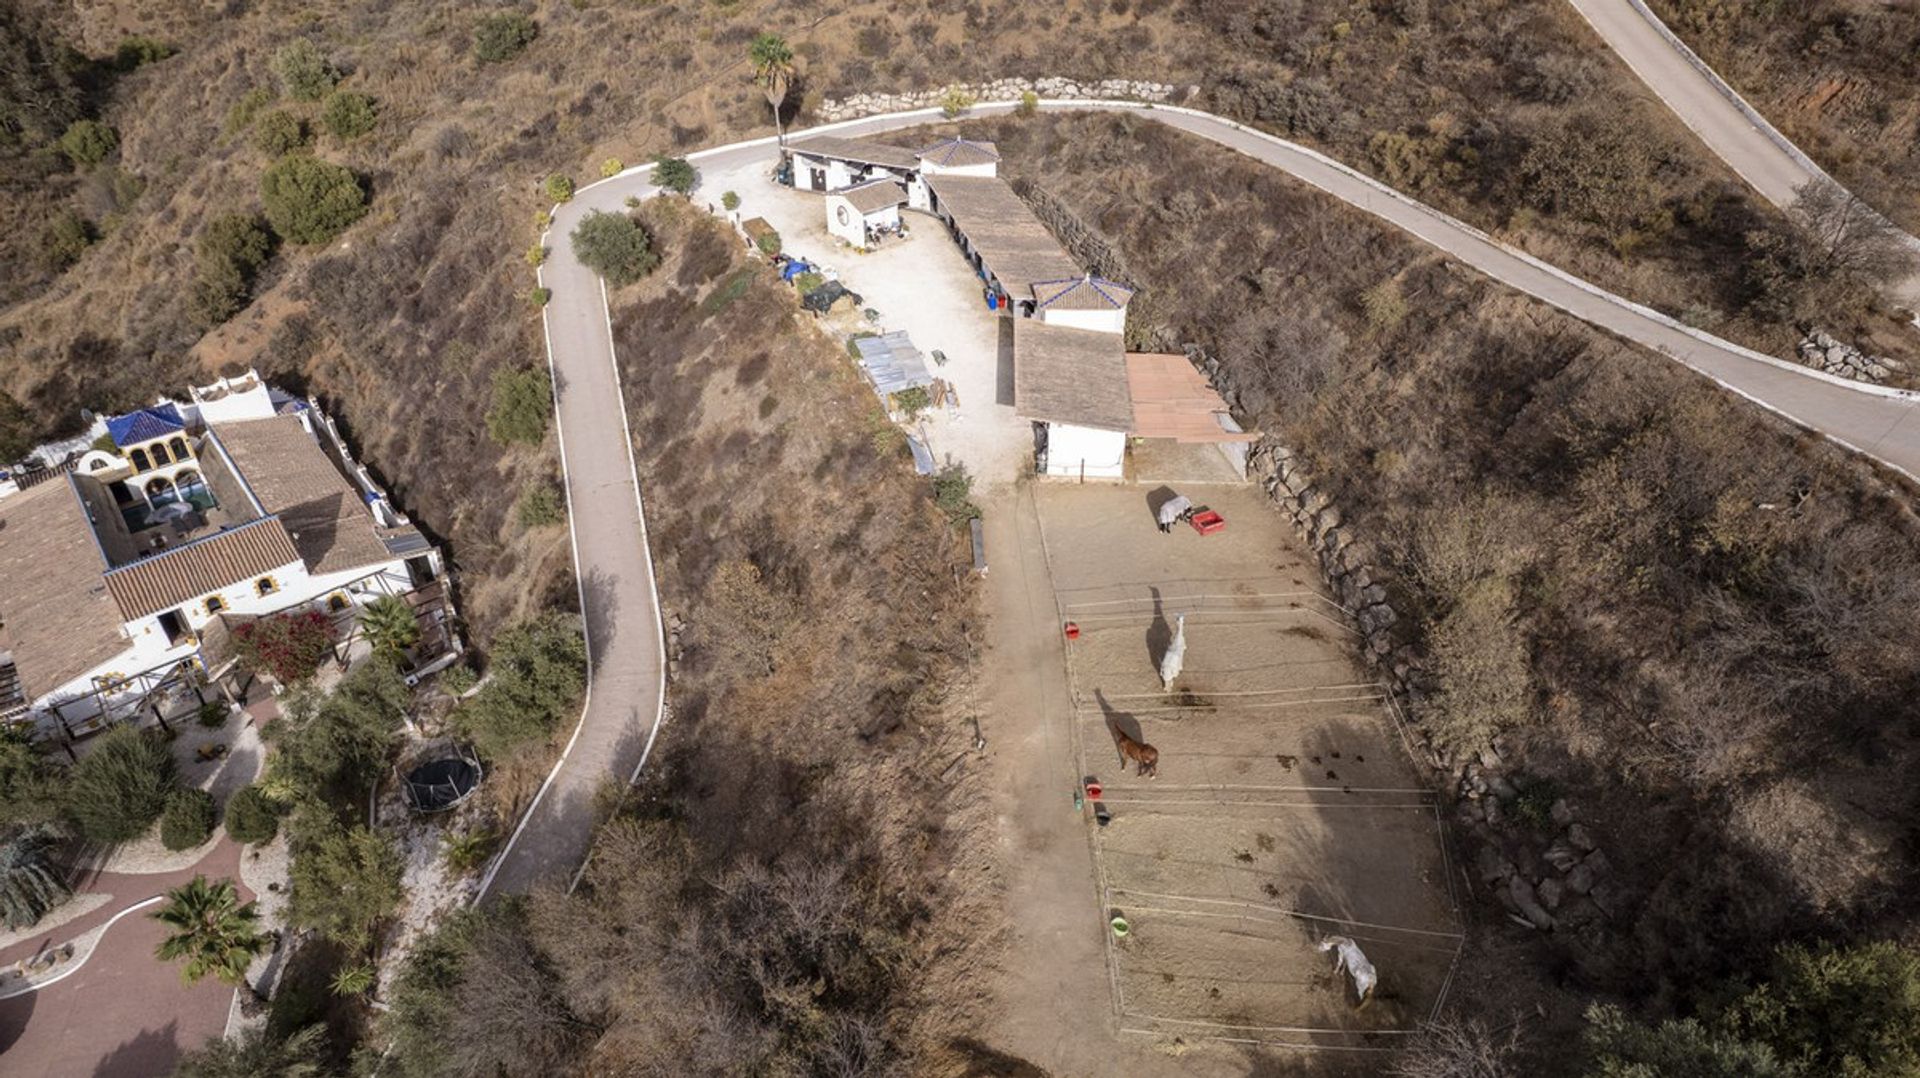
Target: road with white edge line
[1730, 126]
[617, 592]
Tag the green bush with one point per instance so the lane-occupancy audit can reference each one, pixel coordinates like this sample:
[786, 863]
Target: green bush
[952, 492]
[187, 821]
[138, 50]
[228, 255]
[345, 882]
[65, 237]
[30, 782]
[729, 200]
[558, 188]
[309, 200]
[913, 400]
[303, 71]
[213, 714]
[458, 679]
[242, 112]
[252, 819]
[614, 246]
[675, 174]
[522, 405]
[348, 115]
[501, 37]
[540, 297]
[809, 282]
[117, 790]
[1029, 103]
[539, 671]
[330, 745]
[540, 506]
[769, 243]
[278, 133]
[955, 102]
[612, 167]
[88, 142]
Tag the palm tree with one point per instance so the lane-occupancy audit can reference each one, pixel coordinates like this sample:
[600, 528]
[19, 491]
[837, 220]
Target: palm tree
[256, 1054]
[211, 930]
[390, 626]
[773, 70]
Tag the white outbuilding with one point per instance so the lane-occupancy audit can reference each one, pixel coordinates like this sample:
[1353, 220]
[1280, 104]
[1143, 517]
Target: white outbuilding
[1083, 302]
[861, 215]
[1073, 384]
[830, 163]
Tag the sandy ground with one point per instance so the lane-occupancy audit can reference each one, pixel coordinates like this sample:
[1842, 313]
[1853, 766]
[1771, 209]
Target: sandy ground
[432, 887]
[923, 285]
[1285, 809]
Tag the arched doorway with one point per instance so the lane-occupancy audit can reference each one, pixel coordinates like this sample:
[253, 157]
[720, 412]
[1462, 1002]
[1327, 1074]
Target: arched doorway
[161, 492]
[193, 488]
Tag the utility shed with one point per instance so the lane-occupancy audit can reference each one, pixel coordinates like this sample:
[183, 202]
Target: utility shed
[829, 163]
[1000, 235]
[1074, 382]
[860, 214]
[892, 363]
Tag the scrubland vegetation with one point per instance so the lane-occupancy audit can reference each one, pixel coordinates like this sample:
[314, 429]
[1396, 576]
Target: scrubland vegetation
[1683, 616]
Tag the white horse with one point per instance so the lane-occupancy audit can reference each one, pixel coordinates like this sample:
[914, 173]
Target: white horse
[1176, 655]
[1353, 962]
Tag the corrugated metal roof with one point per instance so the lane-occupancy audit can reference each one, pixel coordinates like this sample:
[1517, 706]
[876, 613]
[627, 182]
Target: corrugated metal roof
[892, 363]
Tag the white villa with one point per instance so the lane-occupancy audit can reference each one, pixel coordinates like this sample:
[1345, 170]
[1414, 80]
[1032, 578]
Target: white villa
[120, 571]
[1072, 373]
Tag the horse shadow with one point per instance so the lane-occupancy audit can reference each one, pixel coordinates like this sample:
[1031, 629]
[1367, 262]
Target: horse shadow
[1118, 723]
[1159, 633]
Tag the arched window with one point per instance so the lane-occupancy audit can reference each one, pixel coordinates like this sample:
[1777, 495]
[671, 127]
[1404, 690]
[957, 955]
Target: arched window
[336, 603]
[265, 586]
[159, 454]
[179, 447]
[139, 458]
[160, 492]
[193, 487]
[215, 604]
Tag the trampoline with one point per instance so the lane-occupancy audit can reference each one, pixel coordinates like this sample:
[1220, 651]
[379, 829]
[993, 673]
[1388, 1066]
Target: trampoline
[438, 785]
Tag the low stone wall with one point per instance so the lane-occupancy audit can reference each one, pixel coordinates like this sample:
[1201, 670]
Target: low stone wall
[1820, 351]
[850, 108]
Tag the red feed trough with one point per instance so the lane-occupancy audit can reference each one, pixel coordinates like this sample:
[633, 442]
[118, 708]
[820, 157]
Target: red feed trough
[1206, 522]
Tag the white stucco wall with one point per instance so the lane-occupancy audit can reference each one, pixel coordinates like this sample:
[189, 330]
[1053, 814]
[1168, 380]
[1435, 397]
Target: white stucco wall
[988, 168]
[1108, 321]
[1077, 451]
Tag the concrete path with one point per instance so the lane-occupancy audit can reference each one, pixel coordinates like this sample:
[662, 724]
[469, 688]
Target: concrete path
[1730, 126]
[626, 691]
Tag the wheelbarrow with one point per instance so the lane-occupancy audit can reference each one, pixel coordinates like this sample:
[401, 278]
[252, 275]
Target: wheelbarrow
[1206, 521]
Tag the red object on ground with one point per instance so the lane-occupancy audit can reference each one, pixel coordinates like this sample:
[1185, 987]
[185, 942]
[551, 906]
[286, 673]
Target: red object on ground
[1073, 631]
[1093, 791]
[1206, 522]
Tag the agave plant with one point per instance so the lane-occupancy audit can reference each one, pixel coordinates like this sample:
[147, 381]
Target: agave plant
[212, 930]
[29, 886]
[354, 980]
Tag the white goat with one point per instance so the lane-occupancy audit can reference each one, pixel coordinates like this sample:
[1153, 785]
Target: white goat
[1176, 655]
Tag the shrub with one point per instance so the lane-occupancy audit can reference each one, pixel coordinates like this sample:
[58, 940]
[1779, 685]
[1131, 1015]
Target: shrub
[345, 882]
[29, 883]
[537, 254]
[675, 174]
[540, 296]
[558, 188]
[729, 200]
[334, 744]
[241, 114]
[278, 133]
[88, 142]
[289, 646]
[465, 853]
[309, 200]
[540, 506]
[539, 670]
[303, 71]
[213, 714]
[612, 166]
[769, 243]
[116, 791]
[252, 819]
[1029, 103]
[913, 400]
[348, 115]
[809, 282]
[137, 50]
[955, 102]
[187, 821]
[951, 492]
[458, 680]
[228, 255]
[614, 246]
[66, 237]
[1384, 305]
[522, 405]
[501, 37]
[30, 782]
[1838, 1010]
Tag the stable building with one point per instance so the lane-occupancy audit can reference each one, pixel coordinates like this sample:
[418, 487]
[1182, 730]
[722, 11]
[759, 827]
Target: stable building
[861, 215]
[827, 163]
[237, 504]
[1072, 384]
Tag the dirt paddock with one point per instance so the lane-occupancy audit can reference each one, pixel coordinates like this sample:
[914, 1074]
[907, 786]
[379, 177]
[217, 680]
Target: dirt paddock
[1285, 808]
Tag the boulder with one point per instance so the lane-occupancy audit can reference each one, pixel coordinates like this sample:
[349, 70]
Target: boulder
[1562, 856]
[1492, 867]
[1580, 880]
[1561, 813]
[1527, 903]
[1580, 838]
[1551, 891]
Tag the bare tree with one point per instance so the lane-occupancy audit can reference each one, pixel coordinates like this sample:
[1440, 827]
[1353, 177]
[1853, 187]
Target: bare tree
[1460, 1048]
[1850, 237]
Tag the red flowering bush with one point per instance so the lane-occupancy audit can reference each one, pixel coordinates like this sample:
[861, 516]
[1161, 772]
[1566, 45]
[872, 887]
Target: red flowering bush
[288, 646]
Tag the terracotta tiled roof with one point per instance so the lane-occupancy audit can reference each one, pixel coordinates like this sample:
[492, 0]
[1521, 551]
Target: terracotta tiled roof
[959, 153]
[55, 614]
[1016, 247]
[858, 150]
[1171, 399]
[1084, 293]
[1066, 375]
[185, 573]
[293, 477]
[874, 195]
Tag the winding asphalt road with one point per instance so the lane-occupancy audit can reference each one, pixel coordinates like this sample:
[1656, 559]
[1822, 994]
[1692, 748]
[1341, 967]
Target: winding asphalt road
[627, 687]
[1730, 126]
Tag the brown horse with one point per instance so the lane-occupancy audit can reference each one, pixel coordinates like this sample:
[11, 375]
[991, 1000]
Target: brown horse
[1144, 756]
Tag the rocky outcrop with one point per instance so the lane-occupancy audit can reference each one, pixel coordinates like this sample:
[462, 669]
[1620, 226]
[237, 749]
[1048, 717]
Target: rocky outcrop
[1820, 351]
[848, 108]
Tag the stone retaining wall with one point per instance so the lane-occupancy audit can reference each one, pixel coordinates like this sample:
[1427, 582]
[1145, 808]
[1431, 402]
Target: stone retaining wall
[850, 108]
